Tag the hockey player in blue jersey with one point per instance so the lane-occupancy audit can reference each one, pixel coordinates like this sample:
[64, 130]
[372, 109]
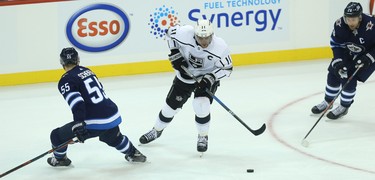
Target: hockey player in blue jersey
[94, 114]
[353, 44]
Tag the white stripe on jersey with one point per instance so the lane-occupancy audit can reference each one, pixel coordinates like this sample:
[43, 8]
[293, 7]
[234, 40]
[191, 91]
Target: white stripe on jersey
[126, 147]
[333, 88]
[75, 101]
[59, 153]
[104, 120]
[346, 99]
[348, 93]
[71, 94]
[77, 98]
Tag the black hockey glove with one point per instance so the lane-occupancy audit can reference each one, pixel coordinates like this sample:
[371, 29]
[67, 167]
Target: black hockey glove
[365, 59]
[206, 82]
[339, 69]
[177, 60]
[80, 131]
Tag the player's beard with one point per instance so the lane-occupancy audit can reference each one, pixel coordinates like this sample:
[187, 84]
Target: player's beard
[204, 45]
[204, 42]
[353, 27]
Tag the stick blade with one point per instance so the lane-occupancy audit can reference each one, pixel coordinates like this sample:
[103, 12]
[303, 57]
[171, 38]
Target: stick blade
[259, 131]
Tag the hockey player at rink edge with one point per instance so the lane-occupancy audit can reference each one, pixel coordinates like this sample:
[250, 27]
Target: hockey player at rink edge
[94, 114]
[353, 44]
[207, 57]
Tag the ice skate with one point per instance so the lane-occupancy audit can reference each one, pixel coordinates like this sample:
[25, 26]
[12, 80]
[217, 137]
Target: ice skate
[319, 108]
[202, 143]
[59, 162]
[338, 112]
[136, 157]
[150, 136]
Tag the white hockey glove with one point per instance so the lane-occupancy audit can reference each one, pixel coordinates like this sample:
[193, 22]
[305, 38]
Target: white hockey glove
[339, 69]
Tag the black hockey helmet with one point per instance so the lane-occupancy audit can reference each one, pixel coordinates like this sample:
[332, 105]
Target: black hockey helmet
[353, 9]
[69, 56]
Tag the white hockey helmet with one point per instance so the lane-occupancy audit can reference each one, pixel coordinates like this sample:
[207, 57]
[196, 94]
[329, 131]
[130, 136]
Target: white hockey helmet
[203, 28]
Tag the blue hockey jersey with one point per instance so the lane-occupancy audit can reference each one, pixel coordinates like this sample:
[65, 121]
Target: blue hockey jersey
[84, 94]
[354, 43]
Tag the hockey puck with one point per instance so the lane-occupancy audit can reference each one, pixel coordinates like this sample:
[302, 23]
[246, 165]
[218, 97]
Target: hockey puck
[250, 170]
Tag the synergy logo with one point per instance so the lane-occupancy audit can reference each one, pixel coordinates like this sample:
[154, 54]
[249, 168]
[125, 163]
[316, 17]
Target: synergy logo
[98, 27]
[161, 20]
[257, 15]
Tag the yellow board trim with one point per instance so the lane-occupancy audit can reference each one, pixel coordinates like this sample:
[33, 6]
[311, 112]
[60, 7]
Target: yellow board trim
[164, 65]
[282, 56]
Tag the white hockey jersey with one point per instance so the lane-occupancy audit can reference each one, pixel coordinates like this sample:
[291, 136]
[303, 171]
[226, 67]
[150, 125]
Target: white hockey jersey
[214, 59]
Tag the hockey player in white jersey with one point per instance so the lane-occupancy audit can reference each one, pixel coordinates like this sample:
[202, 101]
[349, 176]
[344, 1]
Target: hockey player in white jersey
[207, 57]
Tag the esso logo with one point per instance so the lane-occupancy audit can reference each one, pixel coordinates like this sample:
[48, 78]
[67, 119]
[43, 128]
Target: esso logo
[97, 28]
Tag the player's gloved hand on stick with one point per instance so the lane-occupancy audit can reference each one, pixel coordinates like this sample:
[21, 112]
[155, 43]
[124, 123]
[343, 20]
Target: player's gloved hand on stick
[343, 73]
[206, 82]
[365, 59]
[177, 60]
[340, 70]
[80, 131]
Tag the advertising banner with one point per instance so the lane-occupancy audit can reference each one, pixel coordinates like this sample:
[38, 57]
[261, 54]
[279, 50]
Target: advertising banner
[119, 32]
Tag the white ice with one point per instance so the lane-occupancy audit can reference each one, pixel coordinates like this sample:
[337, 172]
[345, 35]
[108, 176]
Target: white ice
[280, 95]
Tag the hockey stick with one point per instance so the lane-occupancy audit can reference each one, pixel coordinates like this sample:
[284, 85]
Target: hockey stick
[255, 132]
[304, 141]
[72, 141]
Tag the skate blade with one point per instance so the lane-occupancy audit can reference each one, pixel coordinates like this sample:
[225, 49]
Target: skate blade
[63, 167]
[135, 162]
[330, 120]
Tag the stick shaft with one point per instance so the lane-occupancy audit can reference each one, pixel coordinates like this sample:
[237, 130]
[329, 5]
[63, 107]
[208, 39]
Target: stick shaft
[36, 158]
[255, 132]
[334, 99]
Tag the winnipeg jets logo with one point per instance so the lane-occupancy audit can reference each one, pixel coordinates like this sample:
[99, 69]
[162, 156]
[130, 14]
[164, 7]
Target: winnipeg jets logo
[354, 48]
[369, 26]
[196, 62]
[338, 22]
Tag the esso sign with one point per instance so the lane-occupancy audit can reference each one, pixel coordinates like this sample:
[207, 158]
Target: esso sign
[97, 28]
[101, 28]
